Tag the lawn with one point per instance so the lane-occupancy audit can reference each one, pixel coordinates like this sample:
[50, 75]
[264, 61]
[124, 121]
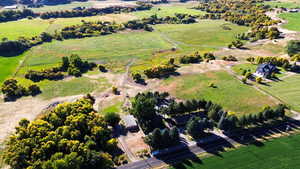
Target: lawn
[168, 10]
[288, 90]
[293, 21]
[281, 153]
[229, 92]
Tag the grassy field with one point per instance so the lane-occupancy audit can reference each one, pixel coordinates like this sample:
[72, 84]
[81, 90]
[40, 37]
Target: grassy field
[286, 4]
[70, 6]
[281, 153]
[287, 90]
[167, 10]
[229, 92]
[293, 21]
[118, 49]
[29, 28]
[8, 66]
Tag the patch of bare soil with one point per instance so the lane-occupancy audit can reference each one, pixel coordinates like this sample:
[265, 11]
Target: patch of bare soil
[12, 112]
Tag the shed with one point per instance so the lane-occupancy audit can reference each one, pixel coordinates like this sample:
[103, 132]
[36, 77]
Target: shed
[265, 70]
[11, 7]
[130, 123]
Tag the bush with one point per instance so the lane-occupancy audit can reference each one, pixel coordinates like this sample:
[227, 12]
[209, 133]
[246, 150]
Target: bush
[112, 118]
[115, 90]
[102, 68]
[229, 58]
[258, 80]
[293, 47]
[34, 90]
[244, 80]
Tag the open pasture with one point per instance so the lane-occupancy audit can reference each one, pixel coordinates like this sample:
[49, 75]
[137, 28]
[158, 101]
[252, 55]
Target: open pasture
[62, 7]
[119, 49]
[229, 92]
[283, 4]
[288, 90]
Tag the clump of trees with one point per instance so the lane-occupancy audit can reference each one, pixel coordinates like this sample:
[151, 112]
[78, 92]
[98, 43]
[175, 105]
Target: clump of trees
[248, 13]
[72, 135]
[293, 47]
[160, 71]
[197, 126]
[12, 15]
[144, 108]
[74, 65]
[12, 90]
[237, 44]
[163, 138]
[193, 58]
[230, 58]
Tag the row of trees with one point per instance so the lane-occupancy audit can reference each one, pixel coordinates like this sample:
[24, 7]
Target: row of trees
[12, 15]
[277, 61]
[94, 11]
[74, 65]
[12, 90]
[72, 135]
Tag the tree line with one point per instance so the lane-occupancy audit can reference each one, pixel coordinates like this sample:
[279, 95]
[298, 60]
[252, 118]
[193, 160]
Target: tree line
[12, 15]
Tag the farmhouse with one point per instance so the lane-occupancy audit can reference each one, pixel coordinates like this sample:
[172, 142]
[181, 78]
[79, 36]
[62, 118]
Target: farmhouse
[130, 123]
[265, 70]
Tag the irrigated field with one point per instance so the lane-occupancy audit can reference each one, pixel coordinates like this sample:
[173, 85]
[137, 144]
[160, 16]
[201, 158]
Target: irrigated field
[282, 153]
[70, 6]
[228, 91]
[293, 21]
[287, 4]
[288, 90]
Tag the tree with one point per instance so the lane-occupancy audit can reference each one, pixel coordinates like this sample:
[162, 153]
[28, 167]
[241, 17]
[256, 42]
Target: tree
[293, 47]
[34, 90]
[112, 118]
[46, 37]
[196, 126]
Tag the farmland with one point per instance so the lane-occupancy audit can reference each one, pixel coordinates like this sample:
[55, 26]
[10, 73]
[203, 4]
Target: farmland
[280, 153]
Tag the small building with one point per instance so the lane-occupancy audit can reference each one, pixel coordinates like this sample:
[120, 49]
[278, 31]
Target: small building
[11, 7]
[265, 70]
[130, 123]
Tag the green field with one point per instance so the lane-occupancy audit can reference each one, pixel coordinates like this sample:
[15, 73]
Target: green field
[288, 90]
[293, 21]
[281, 153]
[229, 92]
[167, 10]
[70, 6]
[279, 4]
[118, 49]
[8, 66]
[29, 28]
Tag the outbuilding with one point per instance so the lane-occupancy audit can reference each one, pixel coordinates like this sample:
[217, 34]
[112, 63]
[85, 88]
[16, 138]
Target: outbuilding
[130, 123]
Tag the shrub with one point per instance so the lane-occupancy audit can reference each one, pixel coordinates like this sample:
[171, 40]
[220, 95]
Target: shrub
[230, 58]
[115, 90]
[258, 80]
[112, 118]
[244, 80]
[102, 68]
[34, 90]
[293, 47]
